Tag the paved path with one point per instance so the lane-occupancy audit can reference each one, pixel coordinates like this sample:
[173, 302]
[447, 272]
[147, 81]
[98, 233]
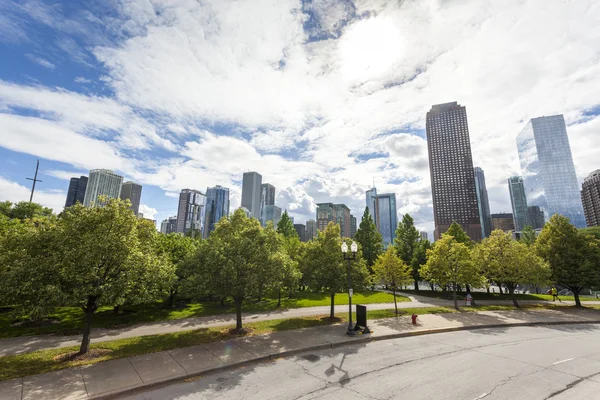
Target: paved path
[557, 362]
[27, 344]
[121, 375]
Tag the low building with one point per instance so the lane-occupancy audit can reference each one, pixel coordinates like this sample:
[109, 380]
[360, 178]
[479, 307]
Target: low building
[503, 221]
[301, 231]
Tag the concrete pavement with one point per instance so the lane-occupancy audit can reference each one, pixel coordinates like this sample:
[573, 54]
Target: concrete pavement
[122, 375]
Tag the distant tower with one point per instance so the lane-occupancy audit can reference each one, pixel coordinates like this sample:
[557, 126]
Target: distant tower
[483, 203]
[102, 182]
[76, 193]
[590, 196]
[267, 198]
[190, 211]
[217, 207]
[251, 184]
[133, 192]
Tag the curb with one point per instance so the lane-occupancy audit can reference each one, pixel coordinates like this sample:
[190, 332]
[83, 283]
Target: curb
[271, 357]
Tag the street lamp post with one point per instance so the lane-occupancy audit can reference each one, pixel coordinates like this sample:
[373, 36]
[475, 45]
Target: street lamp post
[349, 258]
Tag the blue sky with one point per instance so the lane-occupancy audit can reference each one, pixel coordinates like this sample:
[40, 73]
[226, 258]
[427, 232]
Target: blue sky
[320, 97]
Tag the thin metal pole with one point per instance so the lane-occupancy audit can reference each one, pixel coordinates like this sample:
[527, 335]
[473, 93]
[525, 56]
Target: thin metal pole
[34, 179]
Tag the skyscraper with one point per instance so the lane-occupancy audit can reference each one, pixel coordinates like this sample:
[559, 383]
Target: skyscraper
[590, 197]
[423, 234]
[352, 225]
[342, 218]
[251, 184]
[273, 214]
[102, 182]
[301, 231]
[311, 229]
[503, 221]
[372, 205]
[325, 215]
[190, 211]
[388, 217]
[216, 207]
[518, 200]
[267, 198]
[169, 225]
[548, 171]
[535, 217]
[133, 192]
[483, 204]
[451, 169]
[76, 193]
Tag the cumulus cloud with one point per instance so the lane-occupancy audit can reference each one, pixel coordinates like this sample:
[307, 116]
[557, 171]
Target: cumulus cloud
[15, 192]
[147, 211]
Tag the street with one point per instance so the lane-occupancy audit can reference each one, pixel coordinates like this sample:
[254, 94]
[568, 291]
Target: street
[557, 362]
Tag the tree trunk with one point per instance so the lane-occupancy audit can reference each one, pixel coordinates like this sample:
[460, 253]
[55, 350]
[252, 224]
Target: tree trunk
[577, 301]
[171, 300]
[89, 310]
[116, 310]
[238, 313]
[222, 302]
[500, 288]
[511, 290]
[416, 286]
[279, 298]
[395, 304]
[488, 290]
[454, 296]
[332, 312]
[432, 286]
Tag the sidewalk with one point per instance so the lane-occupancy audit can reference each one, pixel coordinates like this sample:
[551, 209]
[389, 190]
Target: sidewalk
[27, 344]
[117, 376]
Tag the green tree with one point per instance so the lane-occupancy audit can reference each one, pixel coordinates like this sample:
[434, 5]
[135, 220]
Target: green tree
[592, 231]
[285, 226]
[177, 249]
[23, 210]
[406, 242]
[392, 271]
[89, 257]
[459, 234]
[572, 256]
[449, 263]
[508, 262]
[419, 257]
[239, 259]
[528, 236]
[369, 239]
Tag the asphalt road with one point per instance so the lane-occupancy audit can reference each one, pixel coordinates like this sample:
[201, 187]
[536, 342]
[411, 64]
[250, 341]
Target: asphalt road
[557, 362]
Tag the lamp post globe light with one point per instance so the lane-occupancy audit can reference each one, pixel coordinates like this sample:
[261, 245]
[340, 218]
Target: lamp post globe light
[349, 258]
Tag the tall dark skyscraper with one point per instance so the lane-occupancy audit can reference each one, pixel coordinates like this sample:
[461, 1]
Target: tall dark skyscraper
[451, 167]
[133, 192]
[483, 202]
[76, 193]
[251, 184]
[590, 197]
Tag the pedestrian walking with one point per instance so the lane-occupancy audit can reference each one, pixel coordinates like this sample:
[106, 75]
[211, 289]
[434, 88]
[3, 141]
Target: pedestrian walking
[555, 294]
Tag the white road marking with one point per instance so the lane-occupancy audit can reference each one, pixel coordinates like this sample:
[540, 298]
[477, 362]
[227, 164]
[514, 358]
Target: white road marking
[559, 362]
[482, 396]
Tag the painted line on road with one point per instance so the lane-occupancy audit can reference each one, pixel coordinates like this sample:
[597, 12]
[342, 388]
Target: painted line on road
[560, 362]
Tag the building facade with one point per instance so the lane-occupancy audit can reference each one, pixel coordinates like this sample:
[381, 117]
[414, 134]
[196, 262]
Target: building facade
[451, 168]
[169, 225]
[590, 197]
[301, 231]
[424, 234]
[311, 229]
[518, 201]
[273, 214]
[503, 221]
[352, 225]
[133, 192]
[190, 211]
[372, 205]
[76, 192]
[388, 217]
[483, 203]
[342, 218]
[215, 208]
[548, 171]
[251, 185]
[535, 217]
[102, 182]
[325, 215]
[267, 198]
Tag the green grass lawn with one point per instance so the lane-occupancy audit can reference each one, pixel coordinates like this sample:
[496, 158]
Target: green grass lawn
[43, 361]
[69, 320]
[496, 296]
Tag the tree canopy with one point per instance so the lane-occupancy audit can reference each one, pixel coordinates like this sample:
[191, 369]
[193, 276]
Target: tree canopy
[392, 271]
[406, 242]
[370, 240]
[23, 210]
[459, 234]
[285, 226]
[528, 236]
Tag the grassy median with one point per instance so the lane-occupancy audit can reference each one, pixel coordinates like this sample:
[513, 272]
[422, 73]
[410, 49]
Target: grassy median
[69, 320]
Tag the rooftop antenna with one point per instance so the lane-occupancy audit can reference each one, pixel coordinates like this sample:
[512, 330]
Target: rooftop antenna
[34, 179]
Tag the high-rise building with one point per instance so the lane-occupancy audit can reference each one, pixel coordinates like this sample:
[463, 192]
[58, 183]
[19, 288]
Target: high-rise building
[352, 225]
[102, 183]
[535, 217]
[325, 215]
[424, 234]
[76, 193]
[169, 225]
[311, 229]
[342, 218]
[133, 192]
[483, 203]
[301, 231]
[190, 211]
[451, 169]
[372, 205]
[518, 200]
[388, 217]
[503, 221]
[251, 185]
[272, 213]
[216, 207]
[590, 197]
[267, 198]
[548, 171]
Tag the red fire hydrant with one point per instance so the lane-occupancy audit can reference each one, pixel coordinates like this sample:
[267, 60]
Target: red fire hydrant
[414, 319]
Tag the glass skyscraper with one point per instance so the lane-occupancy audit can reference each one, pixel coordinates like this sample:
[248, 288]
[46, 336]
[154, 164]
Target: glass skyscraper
[217, 207]
[76, 193]
[548, 171]
[388, 218]
[483, 203]
[190, 211]
[518, 201]
[102, 183]
[372, 205]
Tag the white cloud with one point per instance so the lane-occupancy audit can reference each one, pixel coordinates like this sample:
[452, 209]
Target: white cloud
[81, 79]
[38, 60]
[14, 192]
[147, 211]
